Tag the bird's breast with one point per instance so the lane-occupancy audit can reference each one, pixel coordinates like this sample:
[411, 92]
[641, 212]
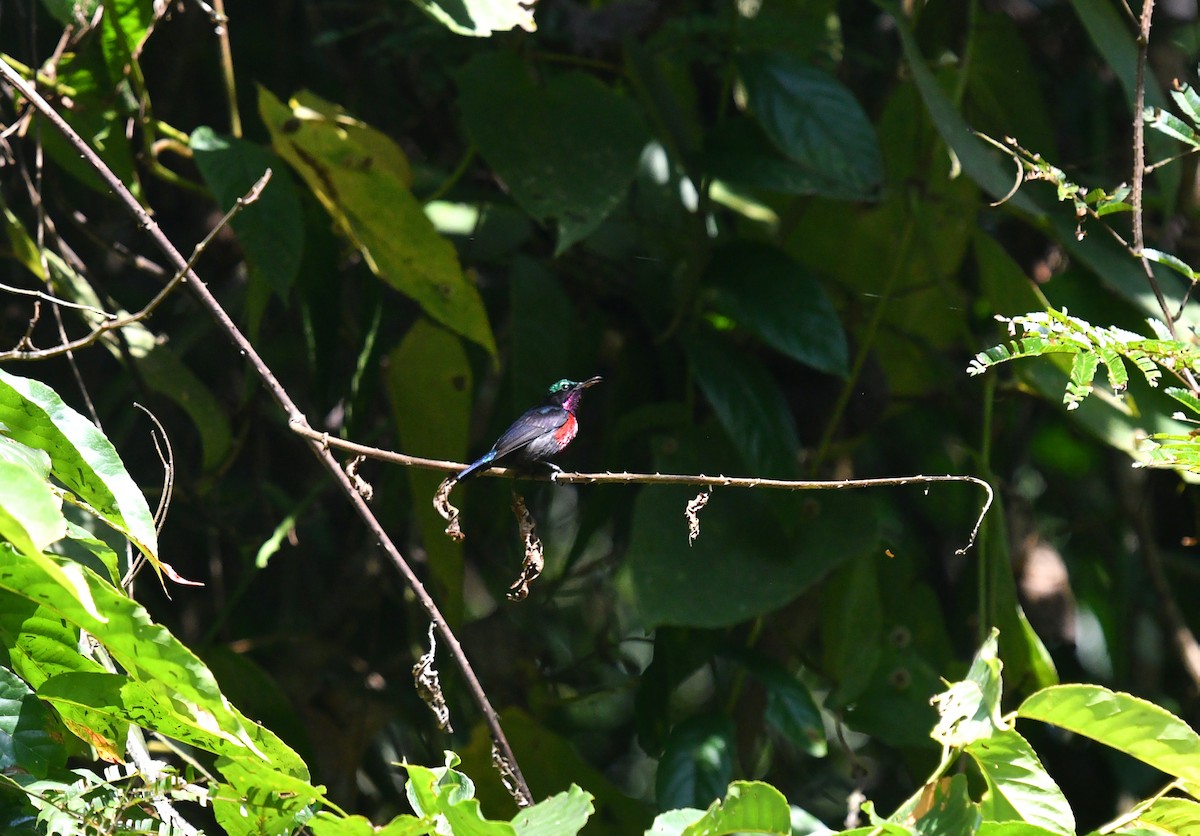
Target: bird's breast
[567, 431]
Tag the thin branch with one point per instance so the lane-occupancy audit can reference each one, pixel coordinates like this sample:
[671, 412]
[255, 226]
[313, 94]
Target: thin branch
[295, 418]
[100, 330]
[626, 478]
[1139, 162]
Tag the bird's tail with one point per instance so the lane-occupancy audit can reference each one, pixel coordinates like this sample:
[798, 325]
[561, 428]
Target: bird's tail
[482, 463]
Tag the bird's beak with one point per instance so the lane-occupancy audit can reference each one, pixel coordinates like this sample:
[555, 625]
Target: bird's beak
[591, 381]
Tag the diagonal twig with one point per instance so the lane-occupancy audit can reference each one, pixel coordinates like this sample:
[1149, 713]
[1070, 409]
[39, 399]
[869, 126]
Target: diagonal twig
[20, 353]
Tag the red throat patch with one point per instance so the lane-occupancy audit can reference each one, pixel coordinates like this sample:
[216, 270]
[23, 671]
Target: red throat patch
[567, 431]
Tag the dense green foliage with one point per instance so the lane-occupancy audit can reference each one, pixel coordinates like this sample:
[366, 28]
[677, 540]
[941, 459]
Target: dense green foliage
[773, 229]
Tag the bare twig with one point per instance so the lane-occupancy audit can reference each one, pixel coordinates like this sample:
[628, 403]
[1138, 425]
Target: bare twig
[1139, 163]
[296, 419]
[625, 478]
[22, 353]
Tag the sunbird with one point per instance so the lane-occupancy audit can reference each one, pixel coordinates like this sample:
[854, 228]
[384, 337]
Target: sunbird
[540, 433]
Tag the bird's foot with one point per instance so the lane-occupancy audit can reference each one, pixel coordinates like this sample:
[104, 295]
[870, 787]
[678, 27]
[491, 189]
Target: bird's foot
[555, 471]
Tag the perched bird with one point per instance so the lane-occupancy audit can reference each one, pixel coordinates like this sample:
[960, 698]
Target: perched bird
[540, 433]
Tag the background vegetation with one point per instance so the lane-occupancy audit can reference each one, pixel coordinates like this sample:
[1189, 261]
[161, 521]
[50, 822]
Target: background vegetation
[770, 228]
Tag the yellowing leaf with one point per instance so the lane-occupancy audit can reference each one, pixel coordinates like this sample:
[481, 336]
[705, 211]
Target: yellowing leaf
[362, 179]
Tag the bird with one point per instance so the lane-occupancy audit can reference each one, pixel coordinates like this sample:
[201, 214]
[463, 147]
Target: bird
[538, 434]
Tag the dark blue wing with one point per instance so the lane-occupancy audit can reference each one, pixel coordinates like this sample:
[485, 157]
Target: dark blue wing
[537, 423]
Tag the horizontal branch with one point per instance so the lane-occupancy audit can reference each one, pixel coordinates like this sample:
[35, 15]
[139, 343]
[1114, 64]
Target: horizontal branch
[627, 478]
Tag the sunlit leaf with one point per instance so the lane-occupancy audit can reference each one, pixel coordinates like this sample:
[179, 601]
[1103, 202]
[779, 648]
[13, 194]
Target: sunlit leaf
[362, 179]
[481, 18]
[1018, 785]
[81, 457]
[1128, 724]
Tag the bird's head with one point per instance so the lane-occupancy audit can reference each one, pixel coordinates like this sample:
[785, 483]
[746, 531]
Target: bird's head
[566, 393]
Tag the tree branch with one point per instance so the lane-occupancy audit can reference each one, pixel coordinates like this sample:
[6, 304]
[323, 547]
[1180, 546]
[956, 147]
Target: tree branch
[295, 418]
[625, 478]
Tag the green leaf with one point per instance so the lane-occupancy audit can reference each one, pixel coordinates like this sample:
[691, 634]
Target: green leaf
[1128, 724]
[81, 457]
[31, 516]
[446, 793]
[362, 179]
[1174, 262]
[696, 763]
[151, 656]
[749, 405]
[1168, 123]
[815, 122]
[68, 12]
[125, 700]
[26, 744]
[1174, 816]
[1018, 785]
[970, 709]
[480, 17]
[791, 709]
[428, 379]
[763, 289]
[258, 800]
[1013, 828]
[741, 565]
[567, 151]
[737, 151]
[748, 807]
[563, 814]
[541, 339]
[272, 228]
[126, 26]
[941, 808]
[1185, 397]
[326, 823]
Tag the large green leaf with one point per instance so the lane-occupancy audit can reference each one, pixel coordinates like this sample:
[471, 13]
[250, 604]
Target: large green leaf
[696, 764]
[567, 151]
[743, 564]
[125, 700]
[1128, 724]
[151, 656]
[26, 742]
[763, 289]
[749, 405]
[815, 122]
[429, 383]
[1174, 816]
[480, 17]
[1018, 785]
[31, 516]
[272, 228]
[81, 457]
[362, 179]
